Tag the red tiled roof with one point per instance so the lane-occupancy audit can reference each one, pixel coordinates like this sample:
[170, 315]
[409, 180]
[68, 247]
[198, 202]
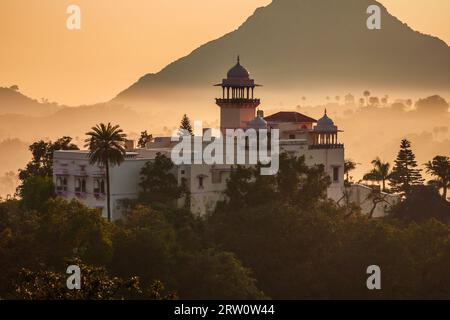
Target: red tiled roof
[286, 116]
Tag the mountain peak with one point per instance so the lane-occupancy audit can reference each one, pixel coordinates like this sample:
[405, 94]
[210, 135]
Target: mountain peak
[311, 43]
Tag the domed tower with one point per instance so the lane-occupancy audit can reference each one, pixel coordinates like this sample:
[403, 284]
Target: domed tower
[325, 133]
[237, 105]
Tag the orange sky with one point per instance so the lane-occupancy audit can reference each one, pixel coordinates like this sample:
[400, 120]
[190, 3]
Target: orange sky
[121, 40]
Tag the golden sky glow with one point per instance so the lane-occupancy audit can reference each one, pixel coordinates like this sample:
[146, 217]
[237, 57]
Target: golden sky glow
[121, 40]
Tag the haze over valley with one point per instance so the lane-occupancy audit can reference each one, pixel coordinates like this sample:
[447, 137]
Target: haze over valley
[305, 58]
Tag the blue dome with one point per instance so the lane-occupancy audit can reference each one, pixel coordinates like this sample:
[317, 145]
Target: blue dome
[258, 123]
[325, 124]
[238, 71]
[325, 121]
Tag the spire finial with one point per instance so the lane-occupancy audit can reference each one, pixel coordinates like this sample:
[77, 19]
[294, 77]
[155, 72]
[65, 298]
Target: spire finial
[325, 111]
[238, 59]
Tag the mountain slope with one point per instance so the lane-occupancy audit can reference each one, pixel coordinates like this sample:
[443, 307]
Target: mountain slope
[309, 43]
[14, 102]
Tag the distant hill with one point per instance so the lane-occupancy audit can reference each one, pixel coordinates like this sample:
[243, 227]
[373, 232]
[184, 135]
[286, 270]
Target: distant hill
[14, 102]
[308, 44]
[72, 121]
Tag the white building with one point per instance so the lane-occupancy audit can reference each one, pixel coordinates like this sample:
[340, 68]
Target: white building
[316, 140]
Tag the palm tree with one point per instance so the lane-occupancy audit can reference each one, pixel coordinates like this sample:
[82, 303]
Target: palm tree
[366, 94]
[440, 168]
[380, 172]
[106, 147]
[349, 165]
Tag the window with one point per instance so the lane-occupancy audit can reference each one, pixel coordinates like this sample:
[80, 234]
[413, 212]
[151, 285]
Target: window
[99, 186]
[292, 136]
[61, 184]
[200, 182]
[335, 174]
[183, 171]
[80, 185]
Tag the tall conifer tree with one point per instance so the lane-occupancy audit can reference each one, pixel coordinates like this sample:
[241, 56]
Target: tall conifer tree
[405, 173]
[186, 124]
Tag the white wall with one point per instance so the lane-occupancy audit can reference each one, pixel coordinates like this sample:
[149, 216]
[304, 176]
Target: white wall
[361, 196]
[124, 180]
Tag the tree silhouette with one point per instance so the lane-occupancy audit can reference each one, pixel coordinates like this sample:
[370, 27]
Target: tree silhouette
[404, 174]
[349, 165]
[379, 173]
[440, 168]
[158, 182]
[374, 101]
[366, 95]
[144, 139]
[433, 104]
[41, 163]
[186, 126]
[106, 148]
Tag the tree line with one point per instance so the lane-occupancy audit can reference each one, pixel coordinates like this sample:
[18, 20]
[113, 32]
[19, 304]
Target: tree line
[405, 174]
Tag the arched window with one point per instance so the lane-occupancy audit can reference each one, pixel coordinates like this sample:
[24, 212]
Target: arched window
[80, 185]
[61, 183]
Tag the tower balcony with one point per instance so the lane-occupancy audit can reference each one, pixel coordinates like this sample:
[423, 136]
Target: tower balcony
[326, 146]
[240, 102]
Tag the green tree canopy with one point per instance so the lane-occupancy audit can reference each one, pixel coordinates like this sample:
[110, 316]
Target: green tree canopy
[41, 163]
[36, 191]
[158, 182]
[167, 244]
[423, 203]
[295, 184]
[185, 126]
[97, 284]
[144, 139]
[439, 167]
[43, 240]
[405, 173]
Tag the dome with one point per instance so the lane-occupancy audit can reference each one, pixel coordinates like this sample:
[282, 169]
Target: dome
[238, 71]
[325, 121]
[325, 124]
[258, 123]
